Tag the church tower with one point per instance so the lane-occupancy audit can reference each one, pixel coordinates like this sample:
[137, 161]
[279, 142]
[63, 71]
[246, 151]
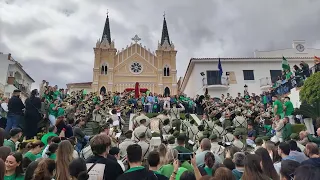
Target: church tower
[104, 52]
[166, 56]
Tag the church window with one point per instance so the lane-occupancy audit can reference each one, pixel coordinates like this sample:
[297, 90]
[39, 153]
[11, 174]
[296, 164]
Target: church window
[166, 70]
[104, 69]
[136, 67]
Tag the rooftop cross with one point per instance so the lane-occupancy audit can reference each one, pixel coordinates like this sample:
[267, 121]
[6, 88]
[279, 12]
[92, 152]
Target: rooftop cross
[136, 38]
[164, 14]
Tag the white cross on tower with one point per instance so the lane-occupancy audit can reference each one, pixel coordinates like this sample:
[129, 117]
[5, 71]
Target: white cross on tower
[136, 39]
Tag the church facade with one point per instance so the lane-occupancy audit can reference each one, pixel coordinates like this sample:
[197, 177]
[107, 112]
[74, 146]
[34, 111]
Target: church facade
[119, 70]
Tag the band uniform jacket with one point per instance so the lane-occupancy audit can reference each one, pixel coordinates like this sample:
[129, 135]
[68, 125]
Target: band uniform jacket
[123, 146]
[192, 132]
[228, 138]
[237, 143]
[174, 112]
[146, 148]
[219, 131]
[139, 130]
[216, 148]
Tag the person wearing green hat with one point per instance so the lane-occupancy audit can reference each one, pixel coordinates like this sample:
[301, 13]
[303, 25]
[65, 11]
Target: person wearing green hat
[215, 147]
[237, 143]
[240, 124]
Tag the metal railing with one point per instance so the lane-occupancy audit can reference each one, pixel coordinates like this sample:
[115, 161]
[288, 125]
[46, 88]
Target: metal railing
[21, 87]
[266, 81]
[215, 81]
[297, 81]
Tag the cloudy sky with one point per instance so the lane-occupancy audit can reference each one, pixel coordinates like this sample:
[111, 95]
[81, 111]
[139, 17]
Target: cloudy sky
[54, 39]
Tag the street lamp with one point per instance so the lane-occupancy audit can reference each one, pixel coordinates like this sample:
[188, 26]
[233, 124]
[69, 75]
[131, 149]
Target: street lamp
[245, 88]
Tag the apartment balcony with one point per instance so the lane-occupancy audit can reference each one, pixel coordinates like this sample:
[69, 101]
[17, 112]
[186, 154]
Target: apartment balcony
[215, 84]
[265, 83]
[16, 84]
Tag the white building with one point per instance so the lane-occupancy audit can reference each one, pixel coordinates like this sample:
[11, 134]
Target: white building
[13, 76]
[257, 72]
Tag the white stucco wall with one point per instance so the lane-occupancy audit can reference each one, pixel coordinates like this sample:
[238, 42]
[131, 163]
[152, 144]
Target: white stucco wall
[261, 69]
[4, 64]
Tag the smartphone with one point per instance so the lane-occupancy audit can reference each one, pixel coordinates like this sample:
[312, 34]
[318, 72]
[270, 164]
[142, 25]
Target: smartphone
[118, 114]
[184, 156]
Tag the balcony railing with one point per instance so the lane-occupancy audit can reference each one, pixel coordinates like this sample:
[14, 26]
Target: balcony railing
[21, 87]
[216, 83]
[285, 87]
[265, 82]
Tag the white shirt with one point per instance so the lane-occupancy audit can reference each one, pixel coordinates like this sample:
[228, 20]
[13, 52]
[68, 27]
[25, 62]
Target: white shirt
[4, 106]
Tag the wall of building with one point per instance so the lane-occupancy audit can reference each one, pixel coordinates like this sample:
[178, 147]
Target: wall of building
[4, 64]
[261, 69]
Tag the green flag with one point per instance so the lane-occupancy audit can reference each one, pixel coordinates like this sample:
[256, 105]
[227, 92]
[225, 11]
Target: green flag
[84, 92]
[285, 65]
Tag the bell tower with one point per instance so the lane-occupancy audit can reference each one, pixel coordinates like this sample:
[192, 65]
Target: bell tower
[104, 52]
[166, 56]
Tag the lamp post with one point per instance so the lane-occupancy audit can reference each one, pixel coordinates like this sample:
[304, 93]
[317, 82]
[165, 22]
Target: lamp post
[245, 88]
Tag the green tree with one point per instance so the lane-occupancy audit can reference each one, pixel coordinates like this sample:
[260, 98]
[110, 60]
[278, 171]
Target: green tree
[310, 98]
[310, 92]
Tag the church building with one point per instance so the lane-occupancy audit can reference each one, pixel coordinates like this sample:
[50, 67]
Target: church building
[119, 70]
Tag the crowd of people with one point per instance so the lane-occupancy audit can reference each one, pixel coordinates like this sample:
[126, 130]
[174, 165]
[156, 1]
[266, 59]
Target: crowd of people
[246, 137]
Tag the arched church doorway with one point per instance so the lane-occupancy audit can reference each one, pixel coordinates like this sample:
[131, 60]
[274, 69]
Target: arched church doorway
[103, 89]
[166, 92]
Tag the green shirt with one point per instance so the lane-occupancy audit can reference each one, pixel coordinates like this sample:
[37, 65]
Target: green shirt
[51, 111]
[12, 177]
[289, 108]
[53, 156]
[167, 170]
[45, 137]
[288, 75]
[279, 106]
[9, 143]
[134, 169]
[208, 170]
[31, 156]
[60, 112]
[56, 94]
[182, 149]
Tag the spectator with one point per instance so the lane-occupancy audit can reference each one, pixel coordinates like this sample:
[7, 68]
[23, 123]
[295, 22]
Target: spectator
[314, 139]
[51, 140]
[34, 149]
[15, 135]
[287, 169]
[2, 135]
[32, 114]
[2, 169]
[283, 151]
[81, 137]
[238, 159]
[4, 152]
[287, 129]
[14, 167]
[307, 172]
[299, 156]
[181, 144]
[154, 164]
[288, 109]
[30, 170]
[205, 147]
[303, 138]
[267, 165]
[51, 133]
[114, 151]
[209, 161]
[45, 169]
[100, 145]
[78, 170]
[64, 157]
[229, 164]
[252, 168]
[162, 149]
[223, 173]
[51, 152]
[15, 111]
[136, 171]
[312, 151]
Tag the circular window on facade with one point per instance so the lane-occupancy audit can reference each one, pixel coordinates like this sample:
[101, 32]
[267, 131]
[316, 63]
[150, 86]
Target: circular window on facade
[136, 68]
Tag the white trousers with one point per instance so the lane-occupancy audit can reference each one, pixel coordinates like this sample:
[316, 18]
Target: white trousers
[309, 125]
[52, 120]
